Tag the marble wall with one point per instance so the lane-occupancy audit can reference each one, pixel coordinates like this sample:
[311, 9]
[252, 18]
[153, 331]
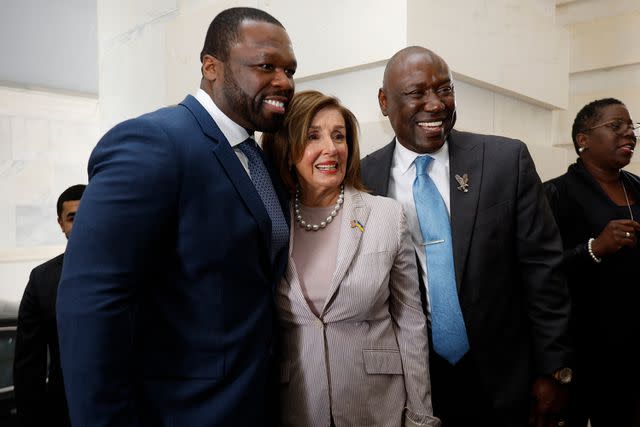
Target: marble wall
[604, 58]
[45, 141]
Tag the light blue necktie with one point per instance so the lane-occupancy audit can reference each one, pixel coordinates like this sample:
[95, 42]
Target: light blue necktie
[262, 181]
[447, 325]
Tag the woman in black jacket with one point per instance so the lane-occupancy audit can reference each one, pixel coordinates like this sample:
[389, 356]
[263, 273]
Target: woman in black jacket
[597, 207]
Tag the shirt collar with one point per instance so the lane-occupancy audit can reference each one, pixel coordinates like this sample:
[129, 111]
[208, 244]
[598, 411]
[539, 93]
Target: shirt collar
[234, 133]
[404, 158]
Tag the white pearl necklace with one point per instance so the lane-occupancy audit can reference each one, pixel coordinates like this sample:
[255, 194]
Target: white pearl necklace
[315, 227]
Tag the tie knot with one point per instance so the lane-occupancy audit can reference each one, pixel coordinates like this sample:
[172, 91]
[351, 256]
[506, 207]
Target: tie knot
[250, 149]
[422, 163]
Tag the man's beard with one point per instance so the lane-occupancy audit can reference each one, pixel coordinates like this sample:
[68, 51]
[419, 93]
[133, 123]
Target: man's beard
[243, 105]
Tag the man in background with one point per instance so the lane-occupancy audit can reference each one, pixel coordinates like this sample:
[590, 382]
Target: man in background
[39, 391]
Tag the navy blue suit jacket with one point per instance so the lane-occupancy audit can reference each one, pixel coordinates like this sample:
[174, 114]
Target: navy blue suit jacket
[165, 306]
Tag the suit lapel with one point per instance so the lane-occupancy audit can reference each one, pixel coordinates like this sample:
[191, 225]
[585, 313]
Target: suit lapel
[378, 170]
[354, 209]
[232, 166]
[465, 157]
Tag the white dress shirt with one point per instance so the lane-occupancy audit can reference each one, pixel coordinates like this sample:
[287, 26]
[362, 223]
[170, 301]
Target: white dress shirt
[234, 133]
[403, 173]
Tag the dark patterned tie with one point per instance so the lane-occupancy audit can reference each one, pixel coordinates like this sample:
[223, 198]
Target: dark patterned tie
[447, 325]
[262, 182]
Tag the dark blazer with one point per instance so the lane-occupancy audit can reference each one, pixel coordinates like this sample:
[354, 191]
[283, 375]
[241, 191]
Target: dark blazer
[39, 392]
[165, 307]
[507, 253]
[604, 295]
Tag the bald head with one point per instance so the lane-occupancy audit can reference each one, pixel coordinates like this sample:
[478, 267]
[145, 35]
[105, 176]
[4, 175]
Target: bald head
[410, 55]
[417, 96]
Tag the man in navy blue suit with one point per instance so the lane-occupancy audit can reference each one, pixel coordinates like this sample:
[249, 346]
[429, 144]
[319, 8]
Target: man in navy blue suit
[165, 307]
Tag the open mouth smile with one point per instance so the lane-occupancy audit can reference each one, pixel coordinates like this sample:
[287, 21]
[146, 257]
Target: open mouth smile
[275, 105]
[331, 167]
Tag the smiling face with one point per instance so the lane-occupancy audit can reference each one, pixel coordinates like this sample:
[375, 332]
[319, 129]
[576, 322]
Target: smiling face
[323, 164]
[417, 96]
[255, 84]
[605, 148]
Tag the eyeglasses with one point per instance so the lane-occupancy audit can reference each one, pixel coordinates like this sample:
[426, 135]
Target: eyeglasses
[619, 127]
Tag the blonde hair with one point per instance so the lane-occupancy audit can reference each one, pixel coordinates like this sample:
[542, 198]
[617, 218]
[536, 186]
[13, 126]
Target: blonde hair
[286, 146]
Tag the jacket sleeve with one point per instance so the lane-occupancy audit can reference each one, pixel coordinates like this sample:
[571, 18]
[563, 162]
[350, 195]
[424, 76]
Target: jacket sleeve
[122, 221]
[410, 327]
[30, 361]
[570, 255]
[539, 251]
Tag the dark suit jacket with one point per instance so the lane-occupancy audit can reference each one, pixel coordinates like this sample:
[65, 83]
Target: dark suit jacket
[165, 306]
[39, 401]
[604, 304]
[507, 253]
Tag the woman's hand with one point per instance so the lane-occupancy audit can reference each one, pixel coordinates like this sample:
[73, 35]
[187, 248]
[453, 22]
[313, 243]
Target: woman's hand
[617, 234]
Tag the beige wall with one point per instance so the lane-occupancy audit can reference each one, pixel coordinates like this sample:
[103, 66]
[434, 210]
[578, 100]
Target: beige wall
[604, 57]
[511, 45]
[45, 140]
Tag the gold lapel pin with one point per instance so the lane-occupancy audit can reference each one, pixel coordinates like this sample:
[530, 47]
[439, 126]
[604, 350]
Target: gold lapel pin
[464, 182]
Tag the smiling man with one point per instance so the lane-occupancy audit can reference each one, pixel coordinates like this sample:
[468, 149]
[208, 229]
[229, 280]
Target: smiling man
[488, 249]
[165, 306]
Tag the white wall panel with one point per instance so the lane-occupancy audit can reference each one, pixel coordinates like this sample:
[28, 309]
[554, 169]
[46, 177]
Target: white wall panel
[510, 44]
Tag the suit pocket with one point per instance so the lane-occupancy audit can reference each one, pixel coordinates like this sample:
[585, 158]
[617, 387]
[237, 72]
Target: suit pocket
[496, 214]
[382, 362]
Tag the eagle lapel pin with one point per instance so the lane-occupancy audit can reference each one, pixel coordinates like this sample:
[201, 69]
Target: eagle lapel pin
[464, 182]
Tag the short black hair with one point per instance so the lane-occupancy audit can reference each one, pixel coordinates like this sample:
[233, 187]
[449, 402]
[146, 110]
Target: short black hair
[72, 193]
[223, 30]
[588, 116]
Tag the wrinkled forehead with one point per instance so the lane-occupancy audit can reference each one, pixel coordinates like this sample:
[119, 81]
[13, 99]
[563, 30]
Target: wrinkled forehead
[417, 68]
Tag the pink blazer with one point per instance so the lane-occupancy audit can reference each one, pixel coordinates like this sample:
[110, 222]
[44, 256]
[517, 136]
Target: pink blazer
[365, 359]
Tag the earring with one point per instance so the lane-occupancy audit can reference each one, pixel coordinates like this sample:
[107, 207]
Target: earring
[581, 149]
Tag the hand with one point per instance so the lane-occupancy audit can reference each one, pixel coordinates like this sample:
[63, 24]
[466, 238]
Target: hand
[549, 406]
[614, 237]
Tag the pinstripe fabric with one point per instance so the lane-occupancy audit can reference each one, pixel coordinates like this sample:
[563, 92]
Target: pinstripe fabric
[365, 359]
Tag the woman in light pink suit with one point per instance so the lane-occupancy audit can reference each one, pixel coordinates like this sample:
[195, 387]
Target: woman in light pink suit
[354, 340]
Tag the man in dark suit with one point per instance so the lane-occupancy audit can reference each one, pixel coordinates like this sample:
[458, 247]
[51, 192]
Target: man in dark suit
[502, 335]
[40, 391]
[165, 306]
